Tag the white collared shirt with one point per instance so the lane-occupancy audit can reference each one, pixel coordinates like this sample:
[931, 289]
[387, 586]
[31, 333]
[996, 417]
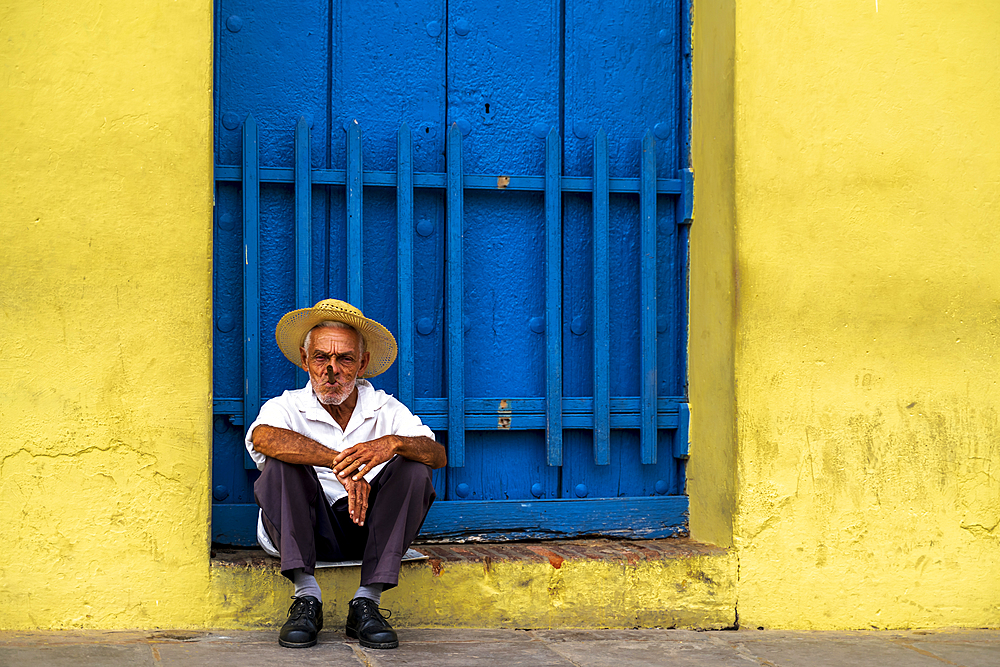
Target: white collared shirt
[375, 415]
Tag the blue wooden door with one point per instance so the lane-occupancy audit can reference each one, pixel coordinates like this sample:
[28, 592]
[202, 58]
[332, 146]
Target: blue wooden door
[504, 186]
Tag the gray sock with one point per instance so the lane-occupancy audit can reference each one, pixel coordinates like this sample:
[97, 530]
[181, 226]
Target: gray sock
[373, 592]
[305, 584]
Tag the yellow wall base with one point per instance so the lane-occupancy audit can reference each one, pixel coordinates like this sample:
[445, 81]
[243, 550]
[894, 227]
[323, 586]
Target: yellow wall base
[696, 590]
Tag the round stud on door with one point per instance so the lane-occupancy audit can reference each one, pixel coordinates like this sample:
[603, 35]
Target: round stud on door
[537, 324]
[425, 227]
[462, 490]
[225, 323]
[425, 325]
[230, 120]
[661, 487]
[581, 490]
[536, 490]
[220, 492]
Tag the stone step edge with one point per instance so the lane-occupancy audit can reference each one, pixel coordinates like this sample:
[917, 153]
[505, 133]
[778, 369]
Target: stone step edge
[590, 583]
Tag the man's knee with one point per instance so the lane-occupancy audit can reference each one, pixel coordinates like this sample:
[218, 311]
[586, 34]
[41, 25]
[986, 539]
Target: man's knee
[405, 478]
[279, 477]
[276, 468]
[412, 472]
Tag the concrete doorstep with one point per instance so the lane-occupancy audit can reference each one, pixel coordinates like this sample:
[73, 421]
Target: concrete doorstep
[597, 583]
[505, 648]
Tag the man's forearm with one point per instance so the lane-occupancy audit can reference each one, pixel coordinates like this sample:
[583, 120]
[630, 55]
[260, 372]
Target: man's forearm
[291, 447]
[422, 449]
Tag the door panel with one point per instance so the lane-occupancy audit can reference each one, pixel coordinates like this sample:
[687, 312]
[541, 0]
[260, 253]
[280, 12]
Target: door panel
[504, 75]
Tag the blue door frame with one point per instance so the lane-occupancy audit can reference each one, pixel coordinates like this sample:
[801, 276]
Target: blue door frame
[536, 283]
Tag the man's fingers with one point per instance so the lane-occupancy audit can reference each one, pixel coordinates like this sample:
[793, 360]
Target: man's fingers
[358, 503]
[342, 460]
[357, 500]
[349, 468]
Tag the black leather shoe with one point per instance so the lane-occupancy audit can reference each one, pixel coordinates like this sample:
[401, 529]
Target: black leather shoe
[305, 620]
[368, 626]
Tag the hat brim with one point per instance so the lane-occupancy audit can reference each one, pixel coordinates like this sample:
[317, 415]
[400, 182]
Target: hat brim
[293, 327]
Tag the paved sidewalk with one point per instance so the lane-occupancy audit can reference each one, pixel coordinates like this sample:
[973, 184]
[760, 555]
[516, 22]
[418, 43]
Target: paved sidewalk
[507, 648]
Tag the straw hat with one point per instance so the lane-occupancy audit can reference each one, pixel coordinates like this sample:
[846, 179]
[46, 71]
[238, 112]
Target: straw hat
[293, 327]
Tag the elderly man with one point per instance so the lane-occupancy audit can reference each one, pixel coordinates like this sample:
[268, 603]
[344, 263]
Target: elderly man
[346, 469]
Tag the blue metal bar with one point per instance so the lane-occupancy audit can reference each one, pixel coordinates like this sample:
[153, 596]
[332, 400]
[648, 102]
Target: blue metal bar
[602, 304]
[303, 225]
[511, 405]
[685, 203]
[455, 296]
[519, 414]
[354, 189]
[515, 405]
[647, 300]
[251, 273]
[553, 300]
[682, 437]
[404, 265]
[432, 180]
[656, 517]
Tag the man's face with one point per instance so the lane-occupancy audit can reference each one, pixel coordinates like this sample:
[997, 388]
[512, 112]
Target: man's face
[334, 363]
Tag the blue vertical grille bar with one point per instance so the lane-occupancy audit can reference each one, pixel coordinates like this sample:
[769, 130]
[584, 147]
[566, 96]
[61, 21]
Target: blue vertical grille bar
[647, 300]
[455, 295]
[251, 273]
[404, 262]
[354, 177]
[553, 300]
[602, 303]
[685, 203]
[682, 437]
[303, 223]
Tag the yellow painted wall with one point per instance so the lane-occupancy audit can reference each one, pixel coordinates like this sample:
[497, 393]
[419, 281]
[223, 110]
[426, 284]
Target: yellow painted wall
[866, 195]
[711, 470]
[105, 312]
[844, 311]
[696, 590]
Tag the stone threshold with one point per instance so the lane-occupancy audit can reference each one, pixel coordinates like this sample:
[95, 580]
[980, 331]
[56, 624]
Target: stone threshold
[581, 583]
[555, 552]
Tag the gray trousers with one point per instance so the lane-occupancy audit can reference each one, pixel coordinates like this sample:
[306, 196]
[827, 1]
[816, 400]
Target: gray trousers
[305, 528]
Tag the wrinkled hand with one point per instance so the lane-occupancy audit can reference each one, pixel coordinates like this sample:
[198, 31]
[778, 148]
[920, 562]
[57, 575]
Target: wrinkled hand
[357, 499]
[363, 456]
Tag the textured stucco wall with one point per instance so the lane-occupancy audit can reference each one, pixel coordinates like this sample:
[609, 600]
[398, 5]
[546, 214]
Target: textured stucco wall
[105, 312]
[844, 314]
[694, 590]
[867, 193]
